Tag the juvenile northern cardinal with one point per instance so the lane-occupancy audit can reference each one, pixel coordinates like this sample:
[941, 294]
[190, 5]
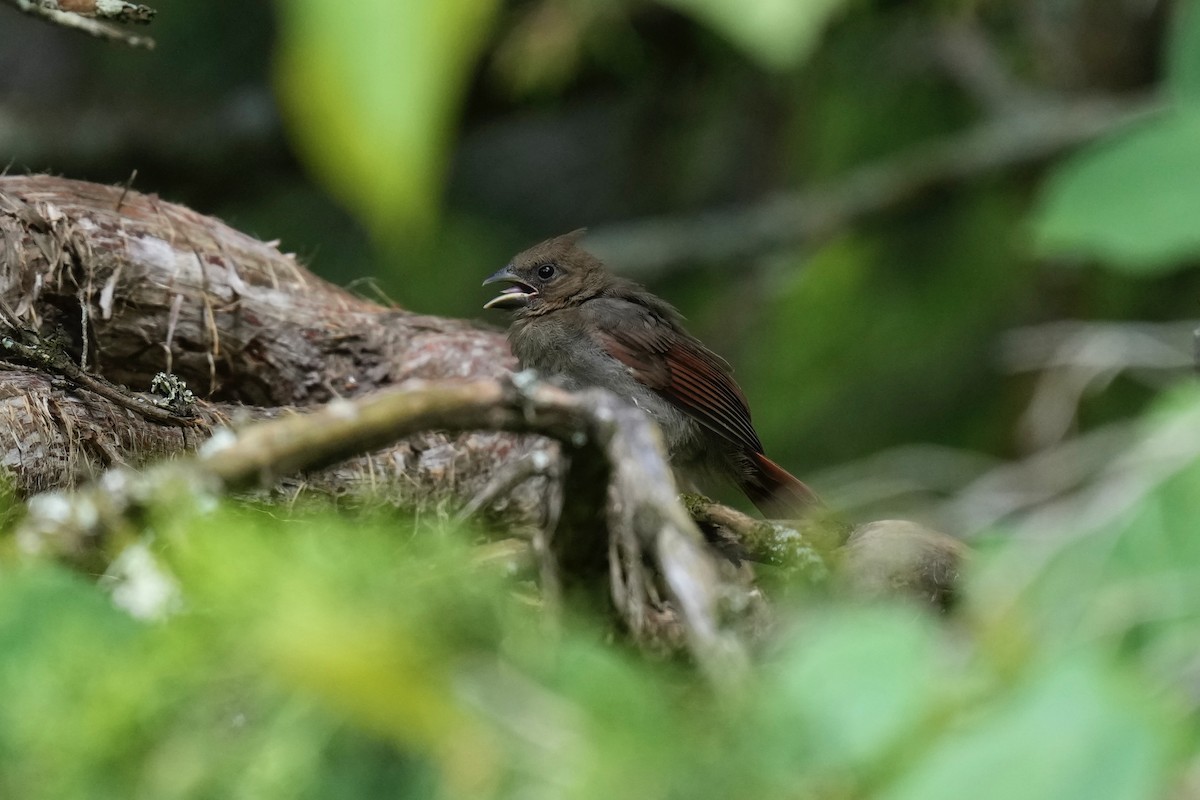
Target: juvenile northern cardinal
[578, 322]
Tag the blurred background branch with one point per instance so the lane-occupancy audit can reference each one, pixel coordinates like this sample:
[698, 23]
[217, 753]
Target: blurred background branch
[1076, 359]
[240, 128]
[972, 60]
[1026, 136]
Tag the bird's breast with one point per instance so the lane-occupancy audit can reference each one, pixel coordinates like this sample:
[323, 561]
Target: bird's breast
[575, 360]
[552, 348]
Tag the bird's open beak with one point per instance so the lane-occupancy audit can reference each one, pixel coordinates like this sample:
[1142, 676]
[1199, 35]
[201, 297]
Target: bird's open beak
[516, 295]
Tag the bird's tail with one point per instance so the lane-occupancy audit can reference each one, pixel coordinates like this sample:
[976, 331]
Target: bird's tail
[775, 491]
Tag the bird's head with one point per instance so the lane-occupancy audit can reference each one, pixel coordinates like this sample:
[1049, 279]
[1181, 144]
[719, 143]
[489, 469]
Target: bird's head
[554, 274]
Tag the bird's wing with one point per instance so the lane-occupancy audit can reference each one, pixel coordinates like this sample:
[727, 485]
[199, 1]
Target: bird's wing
[679, 368]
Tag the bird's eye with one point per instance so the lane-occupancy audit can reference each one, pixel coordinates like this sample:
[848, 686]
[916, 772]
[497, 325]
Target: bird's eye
[546, 271]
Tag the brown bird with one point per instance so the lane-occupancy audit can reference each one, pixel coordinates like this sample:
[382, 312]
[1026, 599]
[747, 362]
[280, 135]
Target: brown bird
[589, 328]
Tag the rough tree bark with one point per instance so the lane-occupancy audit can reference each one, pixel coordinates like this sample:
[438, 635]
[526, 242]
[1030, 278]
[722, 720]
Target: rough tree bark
[134, 285]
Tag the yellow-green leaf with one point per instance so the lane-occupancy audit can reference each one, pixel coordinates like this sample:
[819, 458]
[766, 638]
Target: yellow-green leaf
[371, 90]
[779, 34]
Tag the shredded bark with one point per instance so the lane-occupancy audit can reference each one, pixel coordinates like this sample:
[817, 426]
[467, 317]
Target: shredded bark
[134, 286]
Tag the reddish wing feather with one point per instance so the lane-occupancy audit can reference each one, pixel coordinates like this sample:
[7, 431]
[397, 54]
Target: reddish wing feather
[686, 373]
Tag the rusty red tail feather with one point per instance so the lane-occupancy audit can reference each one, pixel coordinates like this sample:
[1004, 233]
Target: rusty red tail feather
[775, 491]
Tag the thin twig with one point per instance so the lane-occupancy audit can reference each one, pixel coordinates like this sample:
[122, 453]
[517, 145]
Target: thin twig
[507, 478]
[125, 187]
[799, 545]
[50, 358]
[1076, 359]
[1097, 344]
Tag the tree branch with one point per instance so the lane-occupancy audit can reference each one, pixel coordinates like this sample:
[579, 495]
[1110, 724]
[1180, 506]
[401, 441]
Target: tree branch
[798, 546]
[87, 16]
[150, 286]
[972, 60]
[644, 517]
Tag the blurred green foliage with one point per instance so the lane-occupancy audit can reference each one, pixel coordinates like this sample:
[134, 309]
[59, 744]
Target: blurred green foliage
[958, 307]
[327, 655]
[1130, 199]
[371, 89]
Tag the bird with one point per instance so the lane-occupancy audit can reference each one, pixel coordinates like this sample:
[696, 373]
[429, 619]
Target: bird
[582, 326]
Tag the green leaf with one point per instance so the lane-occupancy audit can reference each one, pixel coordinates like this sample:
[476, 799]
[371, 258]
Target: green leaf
[61, 648]
[779, 34]
[856, 683]
[1183, 52]
[1125, 570]
[371, 90]
[1077, 731]
[1131, 200]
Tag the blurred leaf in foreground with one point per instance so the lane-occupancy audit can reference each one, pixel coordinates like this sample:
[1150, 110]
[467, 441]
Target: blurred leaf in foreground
[355, 655]
[371, 90]
[1078, 731]
[850, 691]
[779, 34]
[1131, 535]
[1116, 566]
[59, 640]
